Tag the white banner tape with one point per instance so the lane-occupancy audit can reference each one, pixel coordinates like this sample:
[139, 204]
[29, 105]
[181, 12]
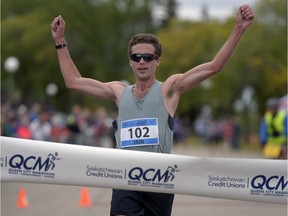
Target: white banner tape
[57, 163]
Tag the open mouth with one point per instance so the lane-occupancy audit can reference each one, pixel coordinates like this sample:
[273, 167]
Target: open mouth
[142, 69]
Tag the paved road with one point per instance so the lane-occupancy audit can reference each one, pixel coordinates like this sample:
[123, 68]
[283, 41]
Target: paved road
[59, 200]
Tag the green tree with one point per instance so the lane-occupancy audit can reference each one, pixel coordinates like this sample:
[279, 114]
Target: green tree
[270, 59]
[97, 34]
[260, 60]
[193, 43]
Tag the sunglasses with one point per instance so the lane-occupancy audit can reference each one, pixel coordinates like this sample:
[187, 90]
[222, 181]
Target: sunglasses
[147, 57]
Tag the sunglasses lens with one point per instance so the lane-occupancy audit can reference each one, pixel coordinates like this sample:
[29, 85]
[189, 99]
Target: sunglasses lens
[146, 57]
[136, 57]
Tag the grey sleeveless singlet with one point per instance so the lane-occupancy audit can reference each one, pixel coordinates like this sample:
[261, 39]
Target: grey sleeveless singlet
[145, 124]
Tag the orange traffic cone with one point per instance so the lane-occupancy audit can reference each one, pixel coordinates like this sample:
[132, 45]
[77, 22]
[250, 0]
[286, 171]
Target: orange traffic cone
[22, 199]
[85, 198]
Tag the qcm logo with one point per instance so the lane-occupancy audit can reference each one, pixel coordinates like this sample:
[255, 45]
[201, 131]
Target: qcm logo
[153, 175]
[261, 182]
[18, 161]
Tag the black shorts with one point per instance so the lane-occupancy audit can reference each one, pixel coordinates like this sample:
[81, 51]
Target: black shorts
[138, 203]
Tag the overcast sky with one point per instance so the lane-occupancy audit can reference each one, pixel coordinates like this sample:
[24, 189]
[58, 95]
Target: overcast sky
[191, 9]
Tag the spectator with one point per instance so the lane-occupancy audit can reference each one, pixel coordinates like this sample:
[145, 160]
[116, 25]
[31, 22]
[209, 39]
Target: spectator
[41, 127]
[23, 130]
[73, 120]
[273, 131]
[236, 133]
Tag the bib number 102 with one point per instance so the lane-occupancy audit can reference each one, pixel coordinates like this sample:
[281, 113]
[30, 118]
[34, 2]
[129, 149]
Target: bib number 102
[139, 132]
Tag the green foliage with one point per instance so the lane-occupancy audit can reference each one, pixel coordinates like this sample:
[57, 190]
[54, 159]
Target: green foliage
[187, 45]
[260, 60]
[98, 32]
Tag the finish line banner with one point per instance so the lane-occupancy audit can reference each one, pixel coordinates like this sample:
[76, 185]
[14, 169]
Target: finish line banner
[32, 161]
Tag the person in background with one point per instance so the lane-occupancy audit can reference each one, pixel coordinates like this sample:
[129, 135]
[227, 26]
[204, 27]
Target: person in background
[73, 122]
[273, 131]
[148, 103]
[41, 127]
[236, 133]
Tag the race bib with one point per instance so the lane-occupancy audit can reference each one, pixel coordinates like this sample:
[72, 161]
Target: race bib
[139, 132]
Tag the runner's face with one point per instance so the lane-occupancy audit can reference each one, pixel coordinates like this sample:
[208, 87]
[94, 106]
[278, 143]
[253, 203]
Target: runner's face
[144, 70]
